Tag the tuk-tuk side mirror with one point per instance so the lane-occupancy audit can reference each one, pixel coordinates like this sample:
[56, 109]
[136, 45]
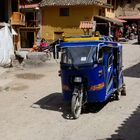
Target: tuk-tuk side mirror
[100, 56]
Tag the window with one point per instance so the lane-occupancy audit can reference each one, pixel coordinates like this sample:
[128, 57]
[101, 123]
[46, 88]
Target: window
[108, 1]
[128, 1]
[64, 12]
[113, 3]
[108, 9]
[113, 10]
[78, 55]
[100, 12]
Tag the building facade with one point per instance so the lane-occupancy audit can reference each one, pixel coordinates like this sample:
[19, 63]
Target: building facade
[25, 20]
[5, 11]
[110, 11]
[60, 17]
[127, 8]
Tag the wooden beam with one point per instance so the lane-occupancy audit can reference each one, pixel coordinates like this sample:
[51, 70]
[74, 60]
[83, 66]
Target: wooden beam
[18, 5]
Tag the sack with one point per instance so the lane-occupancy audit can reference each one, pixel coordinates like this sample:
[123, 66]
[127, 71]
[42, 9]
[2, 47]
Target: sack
[6, 46]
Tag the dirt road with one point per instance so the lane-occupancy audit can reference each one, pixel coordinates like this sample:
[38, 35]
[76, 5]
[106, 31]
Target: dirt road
[32, 107]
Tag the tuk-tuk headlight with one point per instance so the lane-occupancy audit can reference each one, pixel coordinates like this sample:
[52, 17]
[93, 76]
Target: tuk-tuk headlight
[77, 79]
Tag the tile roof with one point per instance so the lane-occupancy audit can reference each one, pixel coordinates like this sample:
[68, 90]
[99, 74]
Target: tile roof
[70, 2]
[86, 25]
[29, 6]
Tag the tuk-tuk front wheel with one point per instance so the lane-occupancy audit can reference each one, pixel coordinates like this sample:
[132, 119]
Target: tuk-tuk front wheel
[76, 105]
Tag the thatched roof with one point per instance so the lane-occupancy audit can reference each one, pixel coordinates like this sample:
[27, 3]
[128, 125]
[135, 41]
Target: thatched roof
[70, 2]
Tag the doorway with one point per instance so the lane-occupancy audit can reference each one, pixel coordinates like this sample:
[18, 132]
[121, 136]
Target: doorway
[27, 39]
[58, 35]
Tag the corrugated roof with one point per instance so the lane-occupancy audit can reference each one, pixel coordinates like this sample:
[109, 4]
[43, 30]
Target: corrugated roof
[70, 2]
[130, 17]
[120, 20]
[109, 19]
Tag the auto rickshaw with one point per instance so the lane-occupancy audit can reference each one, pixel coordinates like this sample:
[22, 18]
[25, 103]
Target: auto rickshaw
[91, 72]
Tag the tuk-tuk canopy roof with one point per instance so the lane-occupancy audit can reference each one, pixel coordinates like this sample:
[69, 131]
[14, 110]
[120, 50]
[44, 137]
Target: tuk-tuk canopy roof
[89, 43]
[80, 38]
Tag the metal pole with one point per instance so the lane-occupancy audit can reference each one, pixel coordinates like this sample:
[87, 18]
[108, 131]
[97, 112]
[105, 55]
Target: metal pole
[35, 27]
[109, 29]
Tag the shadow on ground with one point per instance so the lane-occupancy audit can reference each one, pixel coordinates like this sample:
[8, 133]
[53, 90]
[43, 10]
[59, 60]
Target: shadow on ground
[129, 129]
[55, 102]
[133, 71]
[136, 43]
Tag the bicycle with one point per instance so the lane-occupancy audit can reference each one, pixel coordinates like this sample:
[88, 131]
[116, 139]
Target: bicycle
[48, 53]
[47, 50]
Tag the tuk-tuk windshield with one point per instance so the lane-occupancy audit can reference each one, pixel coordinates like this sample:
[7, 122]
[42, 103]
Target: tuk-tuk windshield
[78, 55]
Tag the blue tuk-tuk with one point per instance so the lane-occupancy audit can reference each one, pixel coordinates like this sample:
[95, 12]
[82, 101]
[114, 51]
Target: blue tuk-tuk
[91, 72]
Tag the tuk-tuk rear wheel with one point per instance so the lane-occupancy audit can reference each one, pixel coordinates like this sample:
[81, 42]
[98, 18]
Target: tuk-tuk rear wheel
[76, 106]
[123, 91]
[117, 95]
